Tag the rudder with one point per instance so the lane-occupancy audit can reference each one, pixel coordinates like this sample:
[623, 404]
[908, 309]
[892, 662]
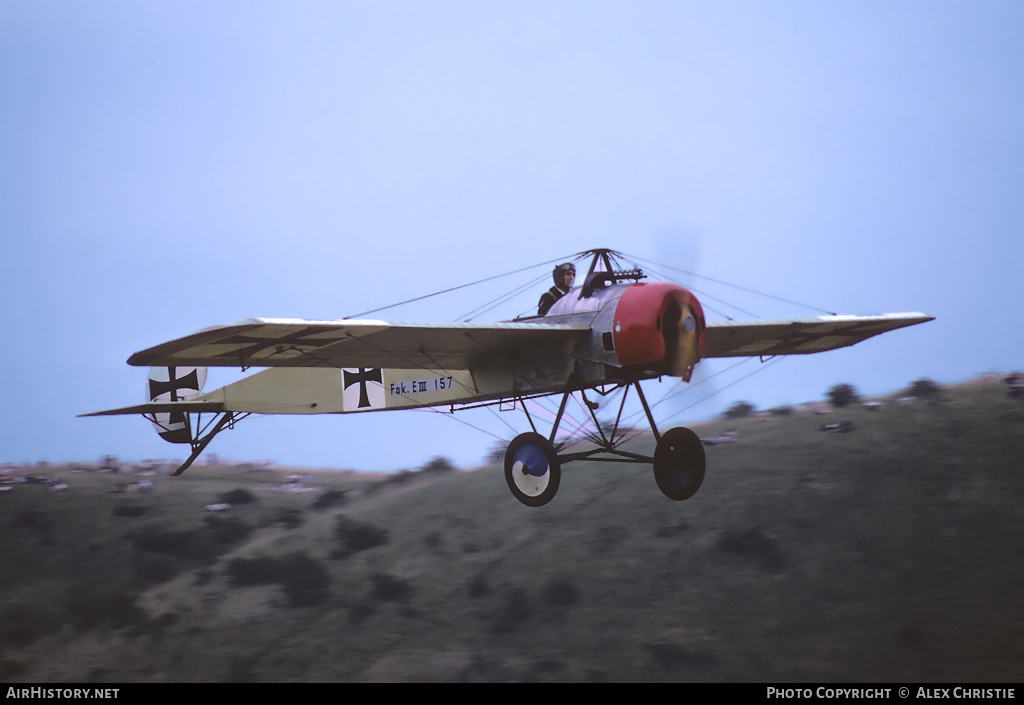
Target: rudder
[174, 384]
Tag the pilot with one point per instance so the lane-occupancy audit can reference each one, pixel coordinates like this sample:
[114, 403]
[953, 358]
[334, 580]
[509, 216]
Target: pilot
[564, 275]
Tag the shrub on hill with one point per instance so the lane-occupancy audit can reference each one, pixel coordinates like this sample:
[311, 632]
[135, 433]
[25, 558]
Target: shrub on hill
[219, 534]
[842, 395]
[172, 543]
[330, 499]
[236, 497]
[129, 510]
[304, 580]
[289, 517]
[754, 544]
[109, 609]
[388, 588]
[925, 390]
[224, 531]
[21, 625]
[355, 536]
[561, 592]
[740, 410]
[438, 464]
[514, 612]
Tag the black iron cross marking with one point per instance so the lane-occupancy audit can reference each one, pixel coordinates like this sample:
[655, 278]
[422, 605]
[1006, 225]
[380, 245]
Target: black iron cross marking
[252, 345]
[364, 375]
[172, 385]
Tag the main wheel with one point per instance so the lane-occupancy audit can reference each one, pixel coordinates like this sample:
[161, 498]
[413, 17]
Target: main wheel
[532, 470]
[679, 463]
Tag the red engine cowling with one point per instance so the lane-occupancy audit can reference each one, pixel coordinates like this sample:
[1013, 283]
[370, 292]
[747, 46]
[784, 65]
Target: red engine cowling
[659, 326]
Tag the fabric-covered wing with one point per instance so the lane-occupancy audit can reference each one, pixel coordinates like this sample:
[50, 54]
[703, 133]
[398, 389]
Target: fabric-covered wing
[278, 342]
[798, 337]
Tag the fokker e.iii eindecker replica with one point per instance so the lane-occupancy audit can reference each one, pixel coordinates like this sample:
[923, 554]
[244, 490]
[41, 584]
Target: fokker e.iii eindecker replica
[613, 332]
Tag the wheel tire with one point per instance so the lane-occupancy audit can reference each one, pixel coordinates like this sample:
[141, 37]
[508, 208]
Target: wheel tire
[532, 470]
[679, 463]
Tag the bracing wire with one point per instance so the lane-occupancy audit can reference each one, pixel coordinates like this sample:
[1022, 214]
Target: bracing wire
[453, 417]
[740, 288]
[508, 296]
[704, 297]
[615, 259]
[454, 288]
[736, 381]
[682, 387]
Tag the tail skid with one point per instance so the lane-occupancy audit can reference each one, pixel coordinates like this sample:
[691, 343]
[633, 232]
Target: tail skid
[198, 441]
[175, 408]
[188, 415]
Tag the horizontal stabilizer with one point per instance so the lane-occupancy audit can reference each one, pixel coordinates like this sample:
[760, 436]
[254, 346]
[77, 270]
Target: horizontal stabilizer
[155, 407]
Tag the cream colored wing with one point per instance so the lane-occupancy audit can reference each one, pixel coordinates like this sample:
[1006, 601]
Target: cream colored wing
[276, 342]
[799, 337]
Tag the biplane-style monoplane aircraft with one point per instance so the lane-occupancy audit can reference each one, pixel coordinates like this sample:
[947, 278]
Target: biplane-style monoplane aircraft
[612, 332]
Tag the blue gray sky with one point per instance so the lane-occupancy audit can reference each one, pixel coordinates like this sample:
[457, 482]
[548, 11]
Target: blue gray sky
[171, 166]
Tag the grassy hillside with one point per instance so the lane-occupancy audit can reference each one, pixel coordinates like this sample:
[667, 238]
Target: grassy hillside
[888, 553]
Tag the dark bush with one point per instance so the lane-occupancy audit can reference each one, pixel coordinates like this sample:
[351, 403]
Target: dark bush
[842, 395]
[236, 497]
[607, 537]
[30, 519]
[263, 570]
[330, 498]
[129, 510]
[515, 611]
[389, 588]
[20, 625]
[224, 531]
[434, 541]
[561, 593]
[305, 581]
[925, 389]
[438, 464]
[679, 528]
[290, 518]
[173, 543]
[669, 655]
[9, 669]
[108, 610]
[356, 536]
[198, 545]
[753, 543]
[740, 410]
[153, 569]
[478, 587]
[361, 611]
[154, 627]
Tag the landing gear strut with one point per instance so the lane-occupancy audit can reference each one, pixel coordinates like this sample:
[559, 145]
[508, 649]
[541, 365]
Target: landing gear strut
[533, 465]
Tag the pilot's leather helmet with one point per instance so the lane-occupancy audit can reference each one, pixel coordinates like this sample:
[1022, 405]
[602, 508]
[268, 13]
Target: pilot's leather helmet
[560, 272]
